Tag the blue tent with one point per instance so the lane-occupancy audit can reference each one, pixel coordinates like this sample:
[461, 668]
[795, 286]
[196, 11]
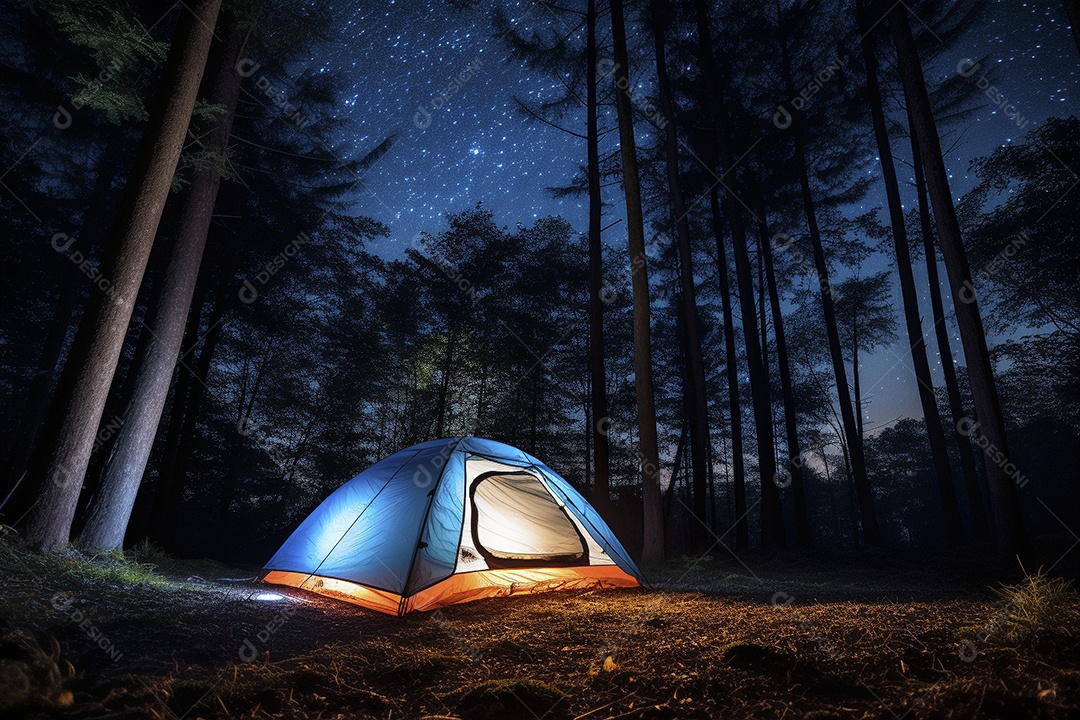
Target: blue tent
[449, 521]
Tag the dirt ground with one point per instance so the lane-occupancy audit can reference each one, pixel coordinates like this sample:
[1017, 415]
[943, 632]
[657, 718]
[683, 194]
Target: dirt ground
[795, 637]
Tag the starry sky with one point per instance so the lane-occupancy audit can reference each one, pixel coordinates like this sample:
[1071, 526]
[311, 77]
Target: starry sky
[475, 146]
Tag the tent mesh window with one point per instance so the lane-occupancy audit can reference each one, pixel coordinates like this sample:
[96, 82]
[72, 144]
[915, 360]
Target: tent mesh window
[517, 523]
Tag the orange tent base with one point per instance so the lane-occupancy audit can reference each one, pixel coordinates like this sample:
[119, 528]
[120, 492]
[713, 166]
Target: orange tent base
[460, 588]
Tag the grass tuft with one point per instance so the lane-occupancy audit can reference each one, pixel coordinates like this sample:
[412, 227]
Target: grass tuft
[72, 565]
[148, 554]
[1033, 607]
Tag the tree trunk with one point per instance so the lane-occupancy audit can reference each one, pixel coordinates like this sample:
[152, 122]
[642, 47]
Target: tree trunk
[97, 346]
[791, 426]
[766, 370]
[589, 425]
[653, 546]
[834, 513]
[714, 525]
[771, 520]
[1004, 502]
[856, 387]
[954, 528]
[444, 386]
[140, 340]
[597, 374]
[169, 495]
[763, 317]
[738, 470]
[669, 494]
[952, 385]
[1072, 10]
[143, 513]
[871, 531]
[231, 479]
[699, 404]
[111, 511]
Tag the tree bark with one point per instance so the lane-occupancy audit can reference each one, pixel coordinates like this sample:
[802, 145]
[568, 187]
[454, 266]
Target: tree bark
[653, 546]
[771, 518]
[766, 370]
[97, 346]
[111, 511]
[698, 395]
[738, 462]
[588, 487]
[169, 493]
[139, 339]
[954, 529]
[597, 373]
[763, 317]
[1005, 515]
[857, 388]
[803, 535]
[714, 525]
[870, 528]
[669, 494]
[173, 418]
[968, 467]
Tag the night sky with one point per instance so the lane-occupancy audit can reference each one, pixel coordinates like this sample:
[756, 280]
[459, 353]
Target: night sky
[477, 147]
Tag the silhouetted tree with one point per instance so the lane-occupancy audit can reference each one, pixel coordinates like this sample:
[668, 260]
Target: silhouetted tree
[115, 498]
[1005, 512]
[653, 550]
[97, 345]
[772, 529]
[871, 532]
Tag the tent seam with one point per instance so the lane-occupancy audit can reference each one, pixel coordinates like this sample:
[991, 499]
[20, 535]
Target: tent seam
[357, 519]
[423, 524]
[592, 527]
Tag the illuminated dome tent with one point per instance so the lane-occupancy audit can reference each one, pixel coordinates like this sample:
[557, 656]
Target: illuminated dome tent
[449, 521]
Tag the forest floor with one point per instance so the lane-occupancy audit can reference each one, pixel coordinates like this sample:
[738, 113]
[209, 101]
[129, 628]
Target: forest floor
[870, 637]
